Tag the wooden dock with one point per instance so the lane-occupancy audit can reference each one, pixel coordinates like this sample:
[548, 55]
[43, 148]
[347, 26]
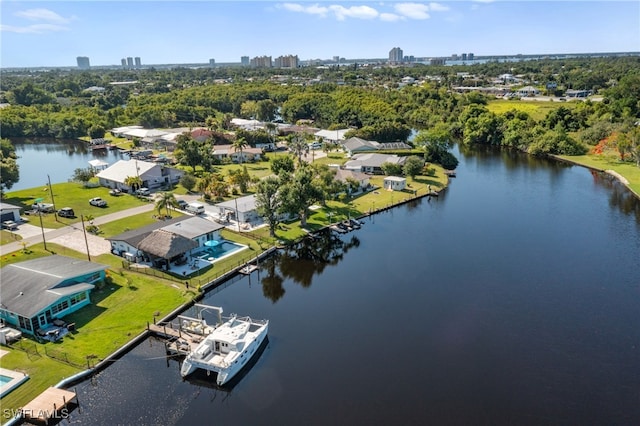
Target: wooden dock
[179, 341]
[52, 404]
[248, 269]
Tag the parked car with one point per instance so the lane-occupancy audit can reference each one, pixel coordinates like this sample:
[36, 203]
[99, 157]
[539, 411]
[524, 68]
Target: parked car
[182, 204]
[98, 202]
[9, 225]
[144, 192]
[115, 192]
[66, 212]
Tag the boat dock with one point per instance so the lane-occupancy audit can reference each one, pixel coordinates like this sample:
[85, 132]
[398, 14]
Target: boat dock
[52, 404]
[248, 269]
[179, 341]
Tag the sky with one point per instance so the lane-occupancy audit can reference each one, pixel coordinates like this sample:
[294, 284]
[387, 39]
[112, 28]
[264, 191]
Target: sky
[54, 33]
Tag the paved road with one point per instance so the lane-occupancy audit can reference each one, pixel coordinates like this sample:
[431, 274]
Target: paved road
[72, 236]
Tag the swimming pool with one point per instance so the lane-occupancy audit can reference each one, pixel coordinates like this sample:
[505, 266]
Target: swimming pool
[223, 249]
[9, 380]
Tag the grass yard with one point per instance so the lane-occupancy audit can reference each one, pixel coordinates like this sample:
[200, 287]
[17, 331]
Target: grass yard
[119, 311]
[132, 222]
[538, 110]
[336, 211]
[7, 237]
[74, 195]
[610, 162]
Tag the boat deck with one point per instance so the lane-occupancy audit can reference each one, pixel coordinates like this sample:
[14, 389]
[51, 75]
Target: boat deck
[49, 405]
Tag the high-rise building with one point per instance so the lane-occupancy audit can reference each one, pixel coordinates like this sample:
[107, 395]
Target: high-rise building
[470, 56]
[454, 57]
[244, 60]
[464, 56]
[138, 62]
[123, 61]
[395, 55]
[129, 62]
[83, 62]
[289, 61]
[336, 59]
[261, 62]
[212, 62]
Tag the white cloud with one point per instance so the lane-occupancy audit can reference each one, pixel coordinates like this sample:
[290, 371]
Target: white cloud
[358, 12]
[313, 9]
[42, 15]
[437, 7]
[33, 29]
[401, 11]
[390, 17]
[413, 10]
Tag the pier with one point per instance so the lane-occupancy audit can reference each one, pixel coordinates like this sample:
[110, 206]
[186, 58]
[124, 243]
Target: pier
[52, 404]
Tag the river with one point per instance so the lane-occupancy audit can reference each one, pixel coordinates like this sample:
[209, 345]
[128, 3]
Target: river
[41, 159]
[513, 298]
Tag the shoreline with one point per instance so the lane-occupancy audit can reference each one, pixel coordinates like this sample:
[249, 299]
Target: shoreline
[620, 178]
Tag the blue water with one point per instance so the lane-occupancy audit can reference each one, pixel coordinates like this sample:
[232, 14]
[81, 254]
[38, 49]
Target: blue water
[5, 379]
[511, 299]
[225, 248]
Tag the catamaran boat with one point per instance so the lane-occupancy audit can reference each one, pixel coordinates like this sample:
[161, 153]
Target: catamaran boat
[227, 348]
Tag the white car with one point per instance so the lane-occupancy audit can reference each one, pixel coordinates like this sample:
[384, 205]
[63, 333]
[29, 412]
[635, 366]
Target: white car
[9, 225]
[98, 202]
[143, 191]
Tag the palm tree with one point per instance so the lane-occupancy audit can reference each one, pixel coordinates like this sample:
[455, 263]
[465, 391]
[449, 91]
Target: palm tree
[133, 182]
[299, 146]
[238, 146]
[166, 200]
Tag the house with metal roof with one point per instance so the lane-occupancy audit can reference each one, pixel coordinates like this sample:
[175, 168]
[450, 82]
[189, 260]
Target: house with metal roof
[153, 175]
[179, 237]
[38, 291]
[9, 212]
[371, 162]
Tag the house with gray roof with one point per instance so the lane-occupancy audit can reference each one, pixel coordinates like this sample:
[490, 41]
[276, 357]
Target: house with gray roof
[354, 145]
[371, 163]
[9, 212]
[38, 291]
[179, 237]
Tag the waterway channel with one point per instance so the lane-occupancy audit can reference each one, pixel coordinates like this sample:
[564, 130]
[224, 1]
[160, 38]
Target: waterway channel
[513, 298]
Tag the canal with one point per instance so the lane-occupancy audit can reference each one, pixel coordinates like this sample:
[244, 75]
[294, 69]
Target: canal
[513, 298]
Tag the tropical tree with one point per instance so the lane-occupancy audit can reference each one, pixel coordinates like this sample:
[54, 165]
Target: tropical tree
[238, 146]
[9, 170]
[299, 146]
[83, 175]
[240, 178]
[269, 202]
[133, 182]
[300, 193]
[166, 200]
[192, 153]
[391, 169]
[282, 165]
[188, 181]
[413, 166]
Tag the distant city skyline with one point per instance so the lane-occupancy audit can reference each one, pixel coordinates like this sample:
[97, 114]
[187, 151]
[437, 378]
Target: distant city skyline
[56, 33]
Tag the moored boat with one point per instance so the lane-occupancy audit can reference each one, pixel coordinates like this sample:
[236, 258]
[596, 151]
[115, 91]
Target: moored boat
[227, 348]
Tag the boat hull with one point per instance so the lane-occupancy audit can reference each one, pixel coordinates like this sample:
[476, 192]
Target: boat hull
[225, 374]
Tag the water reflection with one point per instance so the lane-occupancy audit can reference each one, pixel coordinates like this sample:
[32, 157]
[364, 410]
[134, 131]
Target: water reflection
[620, 197]
[300, 262]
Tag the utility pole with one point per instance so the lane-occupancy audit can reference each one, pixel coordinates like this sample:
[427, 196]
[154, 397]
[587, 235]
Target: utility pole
[55, 212]
[42, 229]
[86, 242]
[237, 215]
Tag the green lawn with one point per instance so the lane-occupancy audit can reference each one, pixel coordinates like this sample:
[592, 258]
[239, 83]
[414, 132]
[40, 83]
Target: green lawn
[7, 237]
[610, 162]
[119, 311]
[132, 222]
[74, 195]
[538, 110]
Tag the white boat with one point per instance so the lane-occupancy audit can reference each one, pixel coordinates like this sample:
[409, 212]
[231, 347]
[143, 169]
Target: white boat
[227, 348]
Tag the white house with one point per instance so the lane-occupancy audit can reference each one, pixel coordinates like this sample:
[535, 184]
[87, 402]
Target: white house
[194, 228]
[241, 209]
[527, 91]
[9, 212]
[371, 163]
[363, 179]
[153, 175]
[228, 151]
[395, 183]
[331, 136]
